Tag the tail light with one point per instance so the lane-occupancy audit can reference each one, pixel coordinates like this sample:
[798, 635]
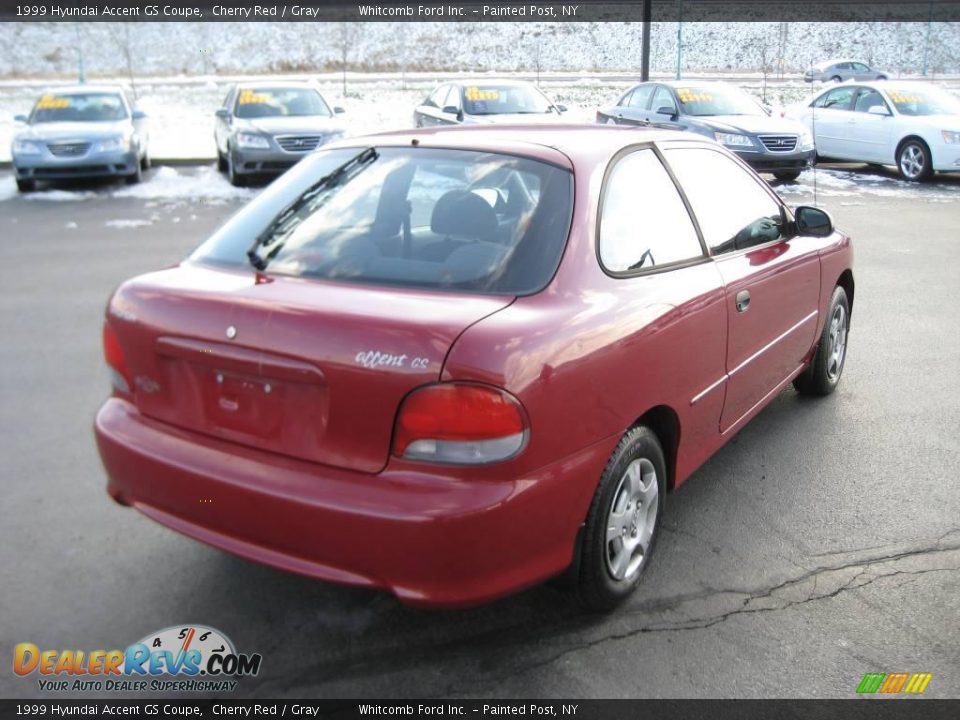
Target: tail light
[116, 361]
[458, 423]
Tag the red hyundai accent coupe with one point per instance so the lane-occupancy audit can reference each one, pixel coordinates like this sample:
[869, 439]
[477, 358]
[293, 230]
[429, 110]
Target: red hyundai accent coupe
[453, 363]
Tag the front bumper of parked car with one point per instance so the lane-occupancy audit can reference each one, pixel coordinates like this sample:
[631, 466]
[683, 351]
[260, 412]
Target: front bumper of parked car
[87, 163]
[437, 538]
[777, 161]
[274, 159]
[946, 157]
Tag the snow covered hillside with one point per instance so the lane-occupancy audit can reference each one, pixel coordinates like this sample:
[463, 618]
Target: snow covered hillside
[49, 50]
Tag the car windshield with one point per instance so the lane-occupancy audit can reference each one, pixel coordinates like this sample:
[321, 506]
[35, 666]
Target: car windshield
[711, 100]
[923, 100]
[79, 107]
[262, 102]
[503, 99]
[427, 218]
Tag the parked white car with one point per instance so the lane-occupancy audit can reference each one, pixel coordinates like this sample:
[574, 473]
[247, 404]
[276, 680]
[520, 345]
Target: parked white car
[915, 126]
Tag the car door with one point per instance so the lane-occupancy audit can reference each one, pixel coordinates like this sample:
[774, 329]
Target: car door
[869, 133]
[832, 111]
[861, 71]
[634, 108]
[771, 278]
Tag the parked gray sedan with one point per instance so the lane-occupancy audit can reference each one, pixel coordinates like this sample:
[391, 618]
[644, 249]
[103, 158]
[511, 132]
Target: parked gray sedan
[80, 132]
[265, 129]
[841, 70]
[723, 113]
[479, 102]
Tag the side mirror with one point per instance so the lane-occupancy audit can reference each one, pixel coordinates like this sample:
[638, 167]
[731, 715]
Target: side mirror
[338, 110]
[222, 113]
[665, 110]
[139, 115]
[20, 118]
[812, 222]
[453, 110]
[878, 110]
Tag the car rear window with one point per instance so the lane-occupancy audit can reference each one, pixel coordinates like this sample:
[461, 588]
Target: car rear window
[417, 217]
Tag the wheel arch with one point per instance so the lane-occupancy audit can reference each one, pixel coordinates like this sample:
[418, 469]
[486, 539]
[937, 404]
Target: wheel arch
[904, 140]
[846, 282]
[665, 424]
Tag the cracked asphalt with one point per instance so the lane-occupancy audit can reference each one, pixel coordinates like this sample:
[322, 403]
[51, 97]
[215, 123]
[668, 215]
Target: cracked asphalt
[822, 543]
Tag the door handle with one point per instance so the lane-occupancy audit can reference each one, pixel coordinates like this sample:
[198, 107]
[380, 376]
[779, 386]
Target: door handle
[743, 300]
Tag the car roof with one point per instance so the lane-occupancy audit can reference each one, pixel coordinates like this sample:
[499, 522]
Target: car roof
[267, 82]
[566, 144]
[480, 82]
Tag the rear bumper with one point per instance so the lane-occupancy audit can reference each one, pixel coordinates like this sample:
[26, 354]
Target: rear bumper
[431, 540]
[92, 164]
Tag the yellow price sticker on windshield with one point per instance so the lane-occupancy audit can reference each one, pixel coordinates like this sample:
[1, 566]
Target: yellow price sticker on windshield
[249, 97]
[474, 93]
[52, 102]
[899, 98]
[688, 95]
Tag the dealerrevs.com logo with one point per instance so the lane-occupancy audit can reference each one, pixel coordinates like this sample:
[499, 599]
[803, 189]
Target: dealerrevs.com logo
[181, 658]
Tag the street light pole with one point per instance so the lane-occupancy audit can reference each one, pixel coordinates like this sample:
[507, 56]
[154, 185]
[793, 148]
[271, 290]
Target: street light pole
[926, 44]
[81, 76]
[679, 38]
[645, 61]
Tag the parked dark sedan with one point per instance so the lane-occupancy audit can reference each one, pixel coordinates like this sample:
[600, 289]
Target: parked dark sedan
[479, 102]
[265, 129]
[722, 113]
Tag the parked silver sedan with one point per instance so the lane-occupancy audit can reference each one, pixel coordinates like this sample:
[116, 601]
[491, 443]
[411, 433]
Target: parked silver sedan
[265, 129]
[842, 70]
[477, 102]
[80, 132]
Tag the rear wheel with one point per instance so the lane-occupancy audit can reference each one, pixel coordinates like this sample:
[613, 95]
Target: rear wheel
[623, 521]
[787, 175]
[823, 375]
[913, 160]
[835, 78]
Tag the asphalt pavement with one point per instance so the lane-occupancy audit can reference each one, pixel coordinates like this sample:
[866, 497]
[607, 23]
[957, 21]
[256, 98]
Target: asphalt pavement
[822, 543]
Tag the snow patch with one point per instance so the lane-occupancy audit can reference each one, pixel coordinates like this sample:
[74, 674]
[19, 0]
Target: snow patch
[122, 224]
[167, 183]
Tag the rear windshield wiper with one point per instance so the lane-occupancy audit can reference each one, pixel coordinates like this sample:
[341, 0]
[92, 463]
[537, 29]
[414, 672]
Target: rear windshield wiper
[281, 226]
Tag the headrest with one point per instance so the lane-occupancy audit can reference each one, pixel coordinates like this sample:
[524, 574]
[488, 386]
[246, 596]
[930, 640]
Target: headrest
[464, 214]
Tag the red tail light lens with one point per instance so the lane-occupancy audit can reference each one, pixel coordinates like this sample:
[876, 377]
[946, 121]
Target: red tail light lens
[116, 361]
[457, 423]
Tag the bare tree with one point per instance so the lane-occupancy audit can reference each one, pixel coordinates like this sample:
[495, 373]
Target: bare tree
[763, 49]
[347, 36]
[120, 34]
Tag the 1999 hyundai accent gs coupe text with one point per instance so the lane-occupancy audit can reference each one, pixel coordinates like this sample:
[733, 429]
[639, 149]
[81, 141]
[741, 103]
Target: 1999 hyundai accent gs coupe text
[453, 363]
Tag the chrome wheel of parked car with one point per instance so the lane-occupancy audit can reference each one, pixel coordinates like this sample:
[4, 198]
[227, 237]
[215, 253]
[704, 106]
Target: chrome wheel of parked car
[823, 374]
[631, 519]
[623, 520]
[913, 160]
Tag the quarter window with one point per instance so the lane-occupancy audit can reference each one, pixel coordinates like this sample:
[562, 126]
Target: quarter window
[733, 209]
[643, 221]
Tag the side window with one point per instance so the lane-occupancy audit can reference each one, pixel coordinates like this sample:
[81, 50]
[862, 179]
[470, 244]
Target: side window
[663, 98]
[860, 67]
[867, 99]
[732, 207]
[643, 221]
[228, 100]
[436, 97]
[625, 100]
[641, 97]
[453, 98]
[837, 99]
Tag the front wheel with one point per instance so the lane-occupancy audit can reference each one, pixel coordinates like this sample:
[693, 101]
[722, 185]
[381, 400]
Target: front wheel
[236, 179]
[137, 175]
[787, 175]
[913, 161]
[26, 185]
[823, 375]
[623, 521]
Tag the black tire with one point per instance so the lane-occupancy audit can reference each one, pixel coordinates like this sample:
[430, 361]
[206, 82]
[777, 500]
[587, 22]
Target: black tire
[821, 377]
[221, 162]
[881, 77]
[787, 175]
[26, 185]
[145, 160]
[836, 78]
[236, 179]
[914, 162]
[597, 587]
[136, 176]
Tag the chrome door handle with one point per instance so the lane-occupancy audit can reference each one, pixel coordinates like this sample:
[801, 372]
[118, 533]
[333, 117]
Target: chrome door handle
[743, 300]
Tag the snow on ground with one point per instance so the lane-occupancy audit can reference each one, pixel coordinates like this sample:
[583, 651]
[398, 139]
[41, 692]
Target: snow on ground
[864, 182]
